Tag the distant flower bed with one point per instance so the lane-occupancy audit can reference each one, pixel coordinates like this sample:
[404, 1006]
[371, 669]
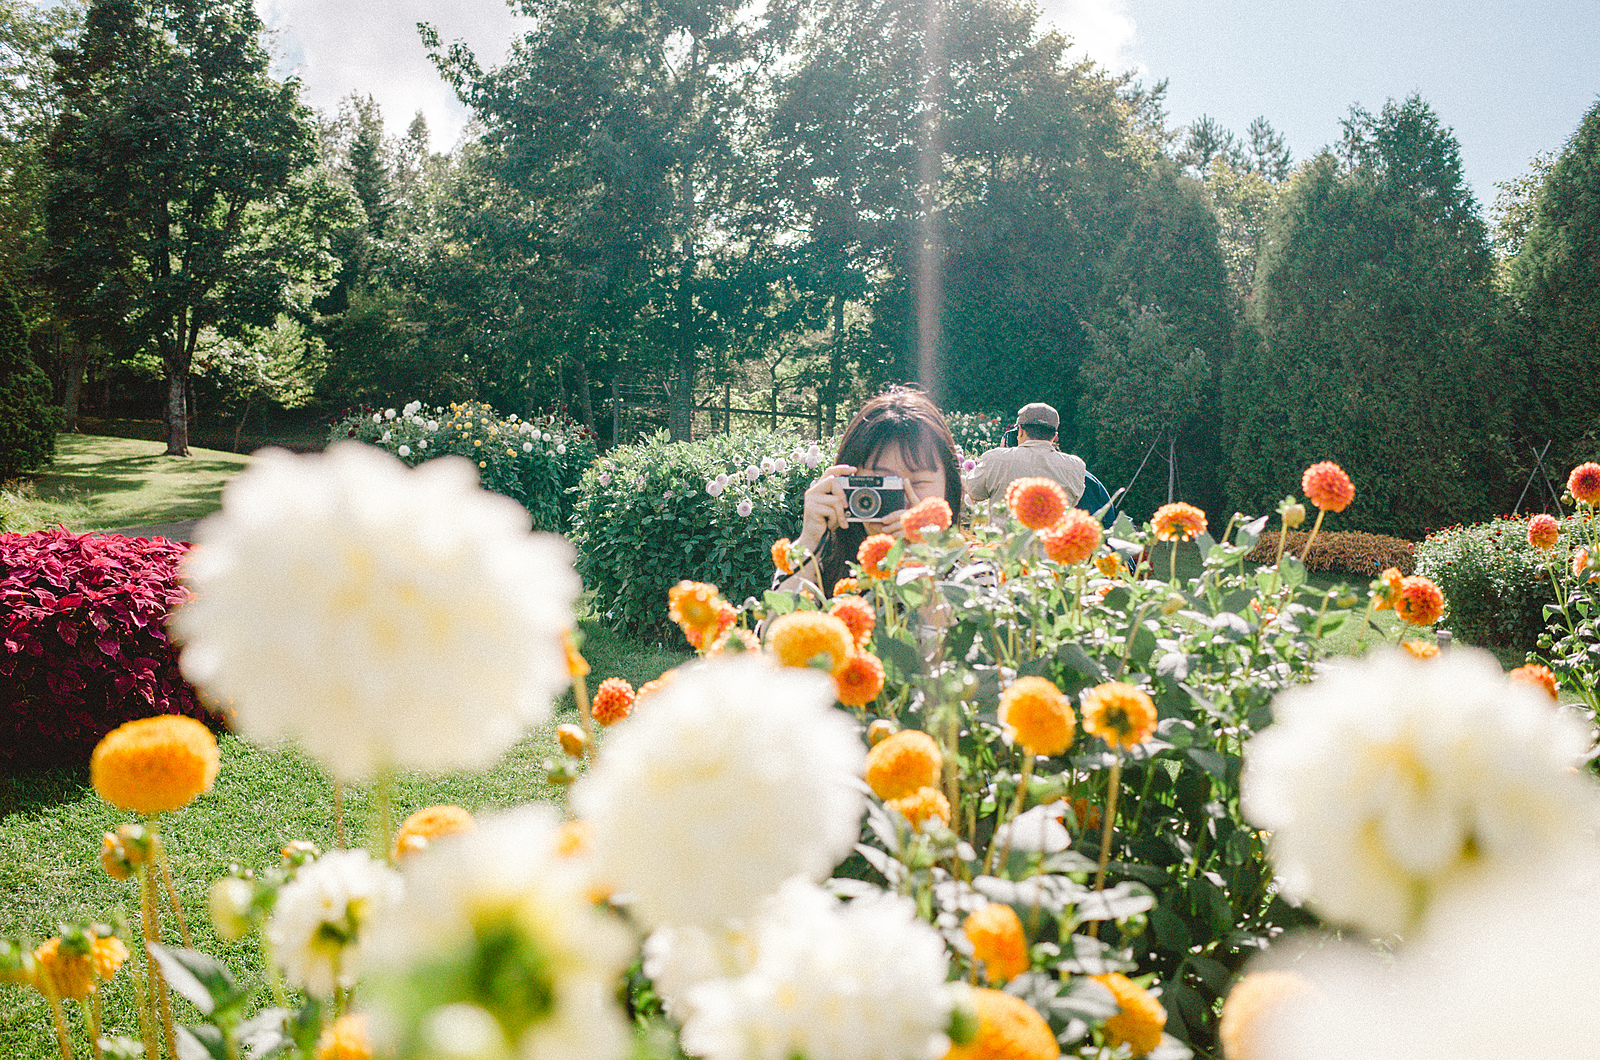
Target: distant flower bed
[648, 515]
[84, 648]
[976, 432]
[1342, 552]
[1495, 582]
[534, 461]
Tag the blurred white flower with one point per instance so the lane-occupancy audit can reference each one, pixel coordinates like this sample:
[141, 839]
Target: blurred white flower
[561, 450]
[404, 450]
[377, 417]
[388, 414]
[677, 959]
[321, 921]
[433, 425]
[1392, 781]
[422, 444]
[722, 479]
[767, 465]
[780, 465]
[813, 456]
[604, 478]
[527, 447]
[387, 436]
[714, 488]
[865, 981]
[545, 437]
[412, 408]
[740, 775]
[381, 616]
[745, 508]
[752, 473]
[495, 921]
[1036, 831]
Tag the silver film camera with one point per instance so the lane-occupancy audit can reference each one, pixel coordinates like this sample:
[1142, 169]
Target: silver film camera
[869, 498]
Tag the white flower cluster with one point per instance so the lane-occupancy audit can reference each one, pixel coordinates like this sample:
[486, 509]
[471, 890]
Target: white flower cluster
[321, 922]
[740, 775]
[1392, 782]
[718, 484]
[383, 617]
[864, 981]
[489, 908]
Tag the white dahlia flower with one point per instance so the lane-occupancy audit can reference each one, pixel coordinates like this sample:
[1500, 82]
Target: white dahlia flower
[497, 923]
[381, 616]
[740, 775]
[321, 922]
[864, 981]
[1390, 782]
[677, 959]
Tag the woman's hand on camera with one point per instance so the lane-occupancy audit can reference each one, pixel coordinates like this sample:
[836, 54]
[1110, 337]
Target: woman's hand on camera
[824, 506]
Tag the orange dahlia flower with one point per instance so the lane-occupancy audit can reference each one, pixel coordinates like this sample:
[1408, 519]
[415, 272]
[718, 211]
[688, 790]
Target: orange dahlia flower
[922, 806]
[781, 558]
[856, 614]
[902, 764]
[69, 968]
[997, 940]
[428, 824]
[1086, 814]
[1543, 531]
[1073, 539]
[693, 606]
[1328, 487]
[1420, 603]
[1110, 564]
[1420, 649]
[1584, 483]
[845, 586]
[1537, 676]
[613, 701]
[1008, 1029]
[1120, 714]
[345, 1039]
[1038, 716]
[1386, 589]
[1178, 522]
[932, 513]
[155, 764]
[859, 680]
[1037, 503]
[801, 636]
[734, 640]
[1141, 1019]
[650, 688]
[873, 551]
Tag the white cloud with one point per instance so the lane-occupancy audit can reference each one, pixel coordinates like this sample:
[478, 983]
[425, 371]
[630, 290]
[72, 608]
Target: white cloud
[1103, 29]
[372, 47]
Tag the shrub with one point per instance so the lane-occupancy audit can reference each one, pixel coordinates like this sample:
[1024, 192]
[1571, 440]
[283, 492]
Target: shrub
[28, 418]
[536, 462]
[1495, 584]
[1341, 552]
[651, 514]
[976, 432]
[84, 647]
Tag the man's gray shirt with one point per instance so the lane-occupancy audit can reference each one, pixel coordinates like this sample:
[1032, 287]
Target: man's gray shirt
[1033, 458]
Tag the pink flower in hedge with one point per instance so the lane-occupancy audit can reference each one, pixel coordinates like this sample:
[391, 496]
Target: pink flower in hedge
[380, 616]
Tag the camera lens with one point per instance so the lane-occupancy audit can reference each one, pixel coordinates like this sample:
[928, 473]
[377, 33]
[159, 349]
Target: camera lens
[865, 503]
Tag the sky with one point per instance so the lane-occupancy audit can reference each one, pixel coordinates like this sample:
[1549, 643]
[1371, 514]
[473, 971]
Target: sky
[1512, 79]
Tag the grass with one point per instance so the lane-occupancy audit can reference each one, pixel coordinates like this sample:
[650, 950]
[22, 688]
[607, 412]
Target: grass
[51, 823]
[101, 483]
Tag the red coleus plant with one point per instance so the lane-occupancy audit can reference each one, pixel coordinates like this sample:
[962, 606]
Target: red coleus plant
[83, 646]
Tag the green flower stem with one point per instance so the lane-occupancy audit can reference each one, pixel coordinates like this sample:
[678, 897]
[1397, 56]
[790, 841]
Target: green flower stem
[160, 996]
[1304, 552]
[58, 1016]
[1016, 807]
[280, 996]
[385, 792]
[160, 851]
[144, 1006]
[1113, 789]
[91, 1020]
[338, 813]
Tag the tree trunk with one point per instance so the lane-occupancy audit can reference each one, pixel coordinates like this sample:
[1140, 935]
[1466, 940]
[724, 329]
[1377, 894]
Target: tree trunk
[177, 410]
[77, 362]
[580, 370]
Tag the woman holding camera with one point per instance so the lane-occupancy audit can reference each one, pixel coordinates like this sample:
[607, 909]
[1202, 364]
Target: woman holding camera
[899, 433]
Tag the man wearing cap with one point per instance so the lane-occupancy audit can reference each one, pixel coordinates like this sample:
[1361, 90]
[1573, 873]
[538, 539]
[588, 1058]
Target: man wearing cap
[1034, 455]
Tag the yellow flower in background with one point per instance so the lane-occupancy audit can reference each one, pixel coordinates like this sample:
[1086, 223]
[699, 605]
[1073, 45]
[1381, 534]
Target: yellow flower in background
[904, 763]
[650, 688]
[428, 824]
[1141, 1019]
[1008, 1029]
[1120, 714]
[1178, 522]
[801, 636]
[62, 970]
[1420, 649]
[845, 586]
[1038, 716]
[693, 606]
[155, 764]
[1110, 564]
[995, 932]
[345, 1039]
[1250, 1007]
[922, 806]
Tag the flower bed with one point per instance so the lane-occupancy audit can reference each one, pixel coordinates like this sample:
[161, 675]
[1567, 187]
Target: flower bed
[1496, 585]
[1342, 552]
[84, 646]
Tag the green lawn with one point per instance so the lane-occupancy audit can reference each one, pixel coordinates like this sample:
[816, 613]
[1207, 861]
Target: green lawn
[100, 483]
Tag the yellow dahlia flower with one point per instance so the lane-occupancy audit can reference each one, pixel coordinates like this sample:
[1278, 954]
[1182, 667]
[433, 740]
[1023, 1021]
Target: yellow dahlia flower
[428, 824]
[801, 636]
[995, 932]
[903, 763]
[1038, 716]
[1008, 1029]
[155, 764]
[1141, 1019]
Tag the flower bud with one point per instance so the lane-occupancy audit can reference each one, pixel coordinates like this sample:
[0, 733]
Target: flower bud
[963, 1028]
[16, 962]
[299, 852]
[880, 731]
[232, 907]
[573, 740]
[1293, 514]
[560, 773]
[1174, 603]
[114, 859]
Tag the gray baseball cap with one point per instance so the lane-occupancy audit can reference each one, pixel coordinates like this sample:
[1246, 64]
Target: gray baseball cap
[1038, 412]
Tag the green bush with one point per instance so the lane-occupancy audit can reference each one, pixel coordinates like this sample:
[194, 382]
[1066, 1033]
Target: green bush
[29, 420]
[536, 462]
[652, 514]
[976, 432]
[1495, 584]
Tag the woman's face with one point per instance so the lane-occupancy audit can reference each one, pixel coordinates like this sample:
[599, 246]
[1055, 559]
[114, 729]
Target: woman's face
[921, 483]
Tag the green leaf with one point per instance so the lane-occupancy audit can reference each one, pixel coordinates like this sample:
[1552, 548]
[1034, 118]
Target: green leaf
[778, 603]
[1075, 657]
[1116, 903]
[199, 978]
[1208, 760]
[902, 656]
[1170, 930]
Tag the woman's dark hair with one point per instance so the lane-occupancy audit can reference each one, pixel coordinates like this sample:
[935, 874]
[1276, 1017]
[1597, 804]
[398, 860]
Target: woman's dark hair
[904, 417]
